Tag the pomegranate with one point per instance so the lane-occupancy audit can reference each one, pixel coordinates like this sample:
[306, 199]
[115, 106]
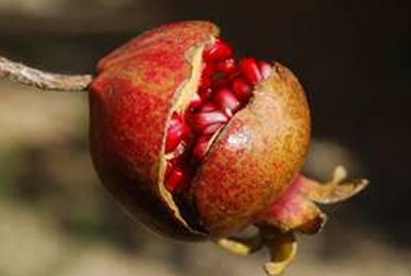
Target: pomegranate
[199, 144]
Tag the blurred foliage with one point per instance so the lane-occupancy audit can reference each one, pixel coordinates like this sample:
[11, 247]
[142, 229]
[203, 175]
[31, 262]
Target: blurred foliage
[10, 163]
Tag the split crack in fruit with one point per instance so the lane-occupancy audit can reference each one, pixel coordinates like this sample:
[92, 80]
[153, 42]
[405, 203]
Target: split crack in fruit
[200, 145]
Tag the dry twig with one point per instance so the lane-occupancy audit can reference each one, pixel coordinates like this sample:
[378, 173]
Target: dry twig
[45, 81]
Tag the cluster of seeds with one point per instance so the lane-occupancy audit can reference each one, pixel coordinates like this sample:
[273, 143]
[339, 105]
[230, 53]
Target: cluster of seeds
[226, 86]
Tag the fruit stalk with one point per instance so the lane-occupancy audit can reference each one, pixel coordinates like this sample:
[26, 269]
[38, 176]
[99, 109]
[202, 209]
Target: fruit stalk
[23, 74]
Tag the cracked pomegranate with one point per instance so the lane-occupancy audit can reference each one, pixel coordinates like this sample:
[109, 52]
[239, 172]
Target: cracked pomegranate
[200, 144]
[224, 89]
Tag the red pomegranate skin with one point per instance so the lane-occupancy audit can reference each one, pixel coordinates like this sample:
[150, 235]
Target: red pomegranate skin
[256, 156]
[130, 102]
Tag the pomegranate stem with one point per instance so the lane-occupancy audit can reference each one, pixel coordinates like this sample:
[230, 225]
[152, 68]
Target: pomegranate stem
[20, 73]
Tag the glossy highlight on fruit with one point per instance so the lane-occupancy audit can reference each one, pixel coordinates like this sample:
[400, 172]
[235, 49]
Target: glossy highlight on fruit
[199, 144]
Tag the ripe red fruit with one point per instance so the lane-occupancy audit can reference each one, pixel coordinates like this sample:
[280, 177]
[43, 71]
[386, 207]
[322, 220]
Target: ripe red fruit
[207, 167]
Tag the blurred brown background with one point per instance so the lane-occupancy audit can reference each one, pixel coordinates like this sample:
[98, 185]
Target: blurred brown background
[354, 59]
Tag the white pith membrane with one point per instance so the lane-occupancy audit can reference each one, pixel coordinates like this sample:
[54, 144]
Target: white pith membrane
[191, 91]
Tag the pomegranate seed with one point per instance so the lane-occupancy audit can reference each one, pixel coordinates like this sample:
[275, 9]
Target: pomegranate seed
[249, 68]
[211, 129]
[207, 107]
[177, 130]
[205, 83]
[204, 119]
[227, 66]
[206, 74]
[219, 80]
[205, 93]
[208, 69]
[195, 103]
[226, 99]
[242, 89]
[174, 180]
[200, 147]
[265, 69]
[218, 51]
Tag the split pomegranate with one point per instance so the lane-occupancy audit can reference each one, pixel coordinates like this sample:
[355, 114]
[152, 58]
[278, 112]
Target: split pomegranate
[198, 143]
[225, 87]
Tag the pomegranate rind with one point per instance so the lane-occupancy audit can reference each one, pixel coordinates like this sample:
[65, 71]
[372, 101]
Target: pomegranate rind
[255, 157]
[131, 101]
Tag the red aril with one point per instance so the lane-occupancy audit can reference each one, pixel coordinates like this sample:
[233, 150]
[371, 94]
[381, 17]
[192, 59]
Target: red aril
[206, 93]
[227, 66]
[208, 107]
[242, 89]
[204, 119]
[250, 70]
[174, 180]
[200, 147]
[212, 128]
[227, 101]
[195, 103]
[219, 50]
[177, 130]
